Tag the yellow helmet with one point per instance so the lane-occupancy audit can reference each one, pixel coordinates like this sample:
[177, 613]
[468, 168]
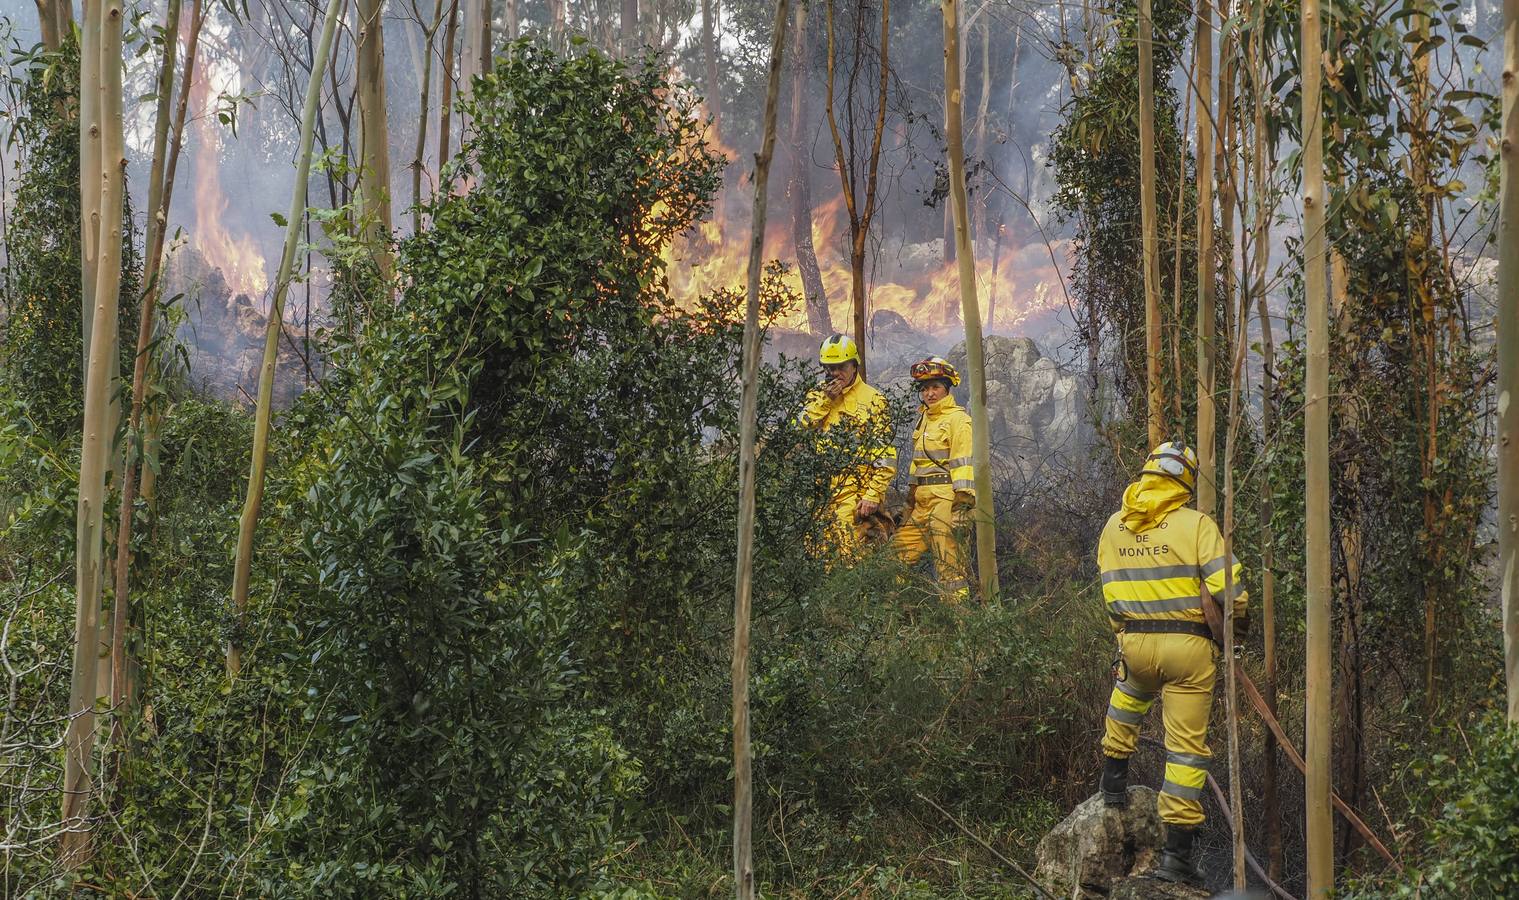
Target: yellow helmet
[935, 367]
[1173, 460]
[838, 348]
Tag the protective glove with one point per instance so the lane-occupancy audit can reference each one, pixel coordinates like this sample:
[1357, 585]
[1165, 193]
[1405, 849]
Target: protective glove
[965, 501]
[912, 496]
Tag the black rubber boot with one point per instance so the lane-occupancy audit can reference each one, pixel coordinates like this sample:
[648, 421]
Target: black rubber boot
[1178, 861]
[1115, 782]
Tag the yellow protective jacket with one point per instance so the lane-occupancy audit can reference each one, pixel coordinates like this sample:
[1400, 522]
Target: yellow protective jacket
[941, 444]
[1156, 554]
[859, 406]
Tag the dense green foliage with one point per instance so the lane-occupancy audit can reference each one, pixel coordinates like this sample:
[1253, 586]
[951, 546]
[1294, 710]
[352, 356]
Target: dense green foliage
[40, 347]
[488, 653]
[1095, 156]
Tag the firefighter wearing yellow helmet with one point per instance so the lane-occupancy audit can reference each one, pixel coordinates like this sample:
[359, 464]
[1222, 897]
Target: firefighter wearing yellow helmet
[942, 482]
[1158, 558]
[845, 400]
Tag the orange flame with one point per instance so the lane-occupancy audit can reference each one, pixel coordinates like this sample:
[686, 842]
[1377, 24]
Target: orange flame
[238, 258]
[916, 282]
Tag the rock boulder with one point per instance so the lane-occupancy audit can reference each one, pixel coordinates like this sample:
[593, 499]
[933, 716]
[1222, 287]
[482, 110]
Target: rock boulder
[1098, 852]
[1039, 422]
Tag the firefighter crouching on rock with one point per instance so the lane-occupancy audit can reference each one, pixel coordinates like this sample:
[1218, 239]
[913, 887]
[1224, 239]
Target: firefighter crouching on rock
[1158, 560]
[941, 484]
[844, 399]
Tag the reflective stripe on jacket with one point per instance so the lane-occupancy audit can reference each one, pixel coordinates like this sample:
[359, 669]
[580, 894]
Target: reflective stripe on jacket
[1155, 555]
[941, 445]
[862, 406]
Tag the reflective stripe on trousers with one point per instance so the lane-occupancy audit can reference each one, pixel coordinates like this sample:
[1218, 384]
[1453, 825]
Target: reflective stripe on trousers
[1178, 670]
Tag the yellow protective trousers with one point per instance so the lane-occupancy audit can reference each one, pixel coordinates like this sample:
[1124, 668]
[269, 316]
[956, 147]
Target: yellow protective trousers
[1178, 670]
[846, 533]
[930, 527]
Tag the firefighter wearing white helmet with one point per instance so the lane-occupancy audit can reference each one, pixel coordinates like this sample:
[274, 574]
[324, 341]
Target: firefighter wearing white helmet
[1158, 558]
[942, 481]
[844, 400]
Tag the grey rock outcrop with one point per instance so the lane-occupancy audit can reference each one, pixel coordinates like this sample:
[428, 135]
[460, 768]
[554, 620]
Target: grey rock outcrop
[1096, 852]
[1039, 420]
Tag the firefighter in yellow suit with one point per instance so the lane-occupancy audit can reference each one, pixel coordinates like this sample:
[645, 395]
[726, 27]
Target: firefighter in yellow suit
[845, 400]
[1157, 556]
[942, 482]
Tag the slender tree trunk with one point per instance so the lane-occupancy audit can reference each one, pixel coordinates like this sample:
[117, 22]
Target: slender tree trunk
[424, 113]
[743, 798]
[153, 418]
[709, 52]
[1151, 262]
[983, 103]
[102, 45]
[446, 106]
[1207, 464]
[121, 698]
[1260, 246]
[249, 519]
[1179, 219]
[1316, 465]
[986, 534]
[630, 36]
[860, 213]
[1231, 702]
[374, 136]
[513, 21]
[485, 46]
[819, 318]
[1508, 359]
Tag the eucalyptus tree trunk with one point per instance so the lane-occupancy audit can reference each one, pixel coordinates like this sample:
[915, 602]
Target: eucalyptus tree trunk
[153, 418]
[1508, 359]
[121, 695]
[446, 105]
[861, 212]
[424, 111]
[102, 47]
[1231, 671]
[819, 319]
[480, 35]
[1156, 418]
[709, 53]
[1260, 247]
[630, 39]
[249, 519]
[1207, 464]
[56, 19]
[743, 797]
[374, 134]
[1178, 219]
[1320, 834]
[965, 258]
